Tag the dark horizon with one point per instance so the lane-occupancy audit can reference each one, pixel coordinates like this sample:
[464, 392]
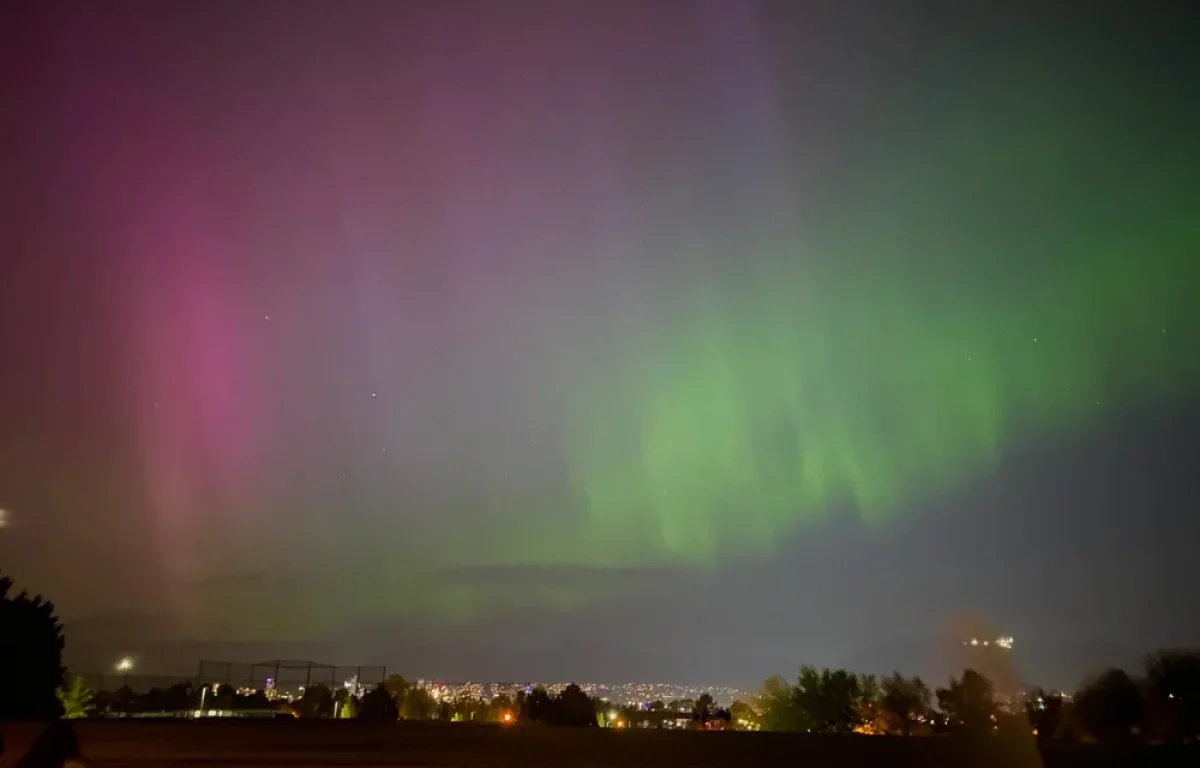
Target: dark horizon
[687, 340]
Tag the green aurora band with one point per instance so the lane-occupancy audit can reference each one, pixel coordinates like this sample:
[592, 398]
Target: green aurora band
[1026, 272]
[887, 361]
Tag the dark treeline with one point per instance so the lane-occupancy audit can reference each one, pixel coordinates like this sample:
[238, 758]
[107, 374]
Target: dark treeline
[1161, 704]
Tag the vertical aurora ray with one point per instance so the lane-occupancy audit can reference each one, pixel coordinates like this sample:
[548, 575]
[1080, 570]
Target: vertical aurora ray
[198, 396]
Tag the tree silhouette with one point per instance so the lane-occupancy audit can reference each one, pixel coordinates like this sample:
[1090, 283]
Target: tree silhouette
[31, 644]
[256, 700]
[501, 705]
[743, 715]
[153, 700]
[398, 688]
[418, 705]
[76, 698]
[903, 703]
[780, 709]
[1046, 714]
[317, 702]
[969, 702]
[868, 701]
[829, 700]
[573, 707]
[180, 696]
[378, 705]
[703, 708]
[1173, 691]
[124, 700]
[537, 706]
[1110, 707]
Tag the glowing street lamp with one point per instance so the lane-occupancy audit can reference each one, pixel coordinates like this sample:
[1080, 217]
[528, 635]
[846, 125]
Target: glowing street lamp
[123, 666]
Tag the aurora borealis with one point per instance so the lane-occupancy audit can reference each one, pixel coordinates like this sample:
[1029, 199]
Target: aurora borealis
[329, 319]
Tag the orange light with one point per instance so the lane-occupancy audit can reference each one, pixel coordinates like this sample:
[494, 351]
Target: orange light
[507, 717]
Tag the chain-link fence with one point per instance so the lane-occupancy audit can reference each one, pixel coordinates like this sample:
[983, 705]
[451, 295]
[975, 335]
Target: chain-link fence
[279, 675]
[288, 674]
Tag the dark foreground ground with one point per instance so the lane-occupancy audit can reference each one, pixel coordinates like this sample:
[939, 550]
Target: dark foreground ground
[334, 743]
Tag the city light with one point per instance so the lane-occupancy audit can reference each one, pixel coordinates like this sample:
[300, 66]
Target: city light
[1001, 642]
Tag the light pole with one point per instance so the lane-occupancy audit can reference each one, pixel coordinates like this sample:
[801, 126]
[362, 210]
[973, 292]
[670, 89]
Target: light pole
[123, 666]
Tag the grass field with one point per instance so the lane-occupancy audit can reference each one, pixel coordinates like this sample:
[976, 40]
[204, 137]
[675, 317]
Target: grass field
[300, 743]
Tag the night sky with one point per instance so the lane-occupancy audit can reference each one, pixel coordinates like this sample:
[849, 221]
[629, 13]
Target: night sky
[604, 339]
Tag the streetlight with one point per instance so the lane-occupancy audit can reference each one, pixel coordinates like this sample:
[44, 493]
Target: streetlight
[123, 666]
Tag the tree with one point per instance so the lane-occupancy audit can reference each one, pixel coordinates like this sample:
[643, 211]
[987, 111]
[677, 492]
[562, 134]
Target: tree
[398, 688]
[349, 708]
[256, 700]
[418, 705]
[179, 697]
[743, 716]
[904, 702]
[125, 700]
[537, 707]
[31, 645]
[480, 711]
[1046, 714]
[1173, 693]
[224, 696]
[378, 705]
[463, 707]
[703, 708]
[573, 707]
[779, 706]
[340, 695]
[500, 706]
[76, 699]
[868, 702]
[969, 702]
[1110, 707]
[153, 700]
[829, 699]
[317, 702]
